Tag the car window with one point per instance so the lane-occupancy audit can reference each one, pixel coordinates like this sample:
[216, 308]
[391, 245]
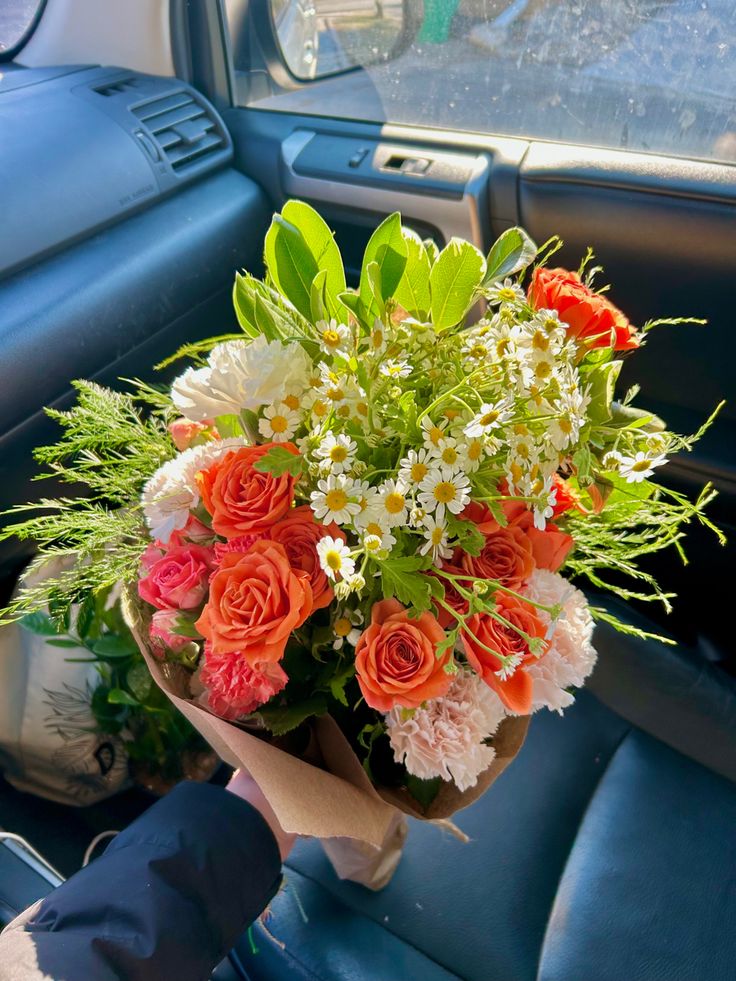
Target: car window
[648, 75]
[16, 19]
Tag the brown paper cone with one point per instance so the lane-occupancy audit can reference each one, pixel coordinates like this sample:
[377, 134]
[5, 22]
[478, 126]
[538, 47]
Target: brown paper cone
[333, 799]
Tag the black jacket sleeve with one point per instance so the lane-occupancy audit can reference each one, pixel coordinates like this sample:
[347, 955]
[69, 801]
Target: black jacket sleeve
[167, 899]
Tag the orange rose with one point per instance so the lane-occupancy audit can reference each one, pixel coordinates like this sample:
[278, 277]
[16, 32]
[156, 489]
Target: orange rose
[299, 533]
[396, 661]
[590, 316]
[256, 599]
[243, 500]
[566, 499]
[484, 631]
[549, 548]
[506, 555]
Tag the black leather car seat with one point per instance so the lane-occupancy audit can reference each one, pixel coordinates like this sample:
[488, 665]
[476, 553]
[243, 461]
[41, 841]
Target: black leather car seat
[602, 854]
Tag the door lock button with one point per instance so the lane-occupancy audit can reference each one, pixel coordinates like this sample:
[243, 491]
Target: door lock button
[358, 157]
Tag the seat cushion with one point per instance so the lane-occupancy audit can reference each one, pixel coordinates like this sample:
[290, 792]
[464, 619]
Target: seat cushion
[649, 890]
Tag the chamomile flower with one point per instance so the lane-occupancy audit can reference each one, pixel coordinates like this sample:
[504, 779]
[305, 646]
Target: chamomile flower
[448, 455]
[636, 468]
[492, 415]
[377, 340]
[377, 538]
[435, 534]
[337, 451]
[346, 629]
[441, 491]
[506, 292]
[334, 338]
[393, 503]
[335, 558]
[334, 500]
[366, 496]
[476, 349]
[279, 423]
[611, 460]
[545, 494]
[395, 368]
[333, 387]
[433, 432]
[473, 453]
[509, 666]
[563, 431]
[415, 466]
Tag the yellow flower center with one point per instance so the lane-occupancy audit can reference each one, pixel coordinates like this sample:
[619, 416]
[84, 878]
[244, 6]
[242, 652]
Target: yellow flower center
[292, 402]
[449, 455]
[506, 295]
[335, 394]
[475, 450]
[488, 418]
[551, 324]
[361, 408]
[279, 424]
[338, 454]
[377, 339]
[344, 411]
[435, 435]
[395, 502]
[418, 472]
[336, 500]
[331, 338]
[342, 626]
[523, 450]
[372, 543]
[640, 466]
[502, 346]
[451, 414]
[444, 492]
[516, 472]
[374, 529]
[437, 535]
[565, 425]
[542, 370]
[333, 560]
[319, 408]
[540, 341]
[478, 351]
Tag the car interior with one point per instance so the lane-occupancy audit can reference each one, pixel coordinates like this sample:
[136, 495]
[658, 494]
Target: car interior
[143, 149]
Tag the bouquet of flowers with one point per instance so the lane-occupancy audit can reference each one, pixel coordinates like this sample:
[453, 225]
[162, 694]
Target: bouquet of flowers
[349, 532]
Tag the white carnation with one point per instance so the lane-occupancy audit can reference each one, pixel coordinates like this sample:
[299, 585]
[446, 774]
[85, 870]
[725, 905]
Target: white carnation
[171, 493]
[241, 375]
[445, 738]
[571, 656]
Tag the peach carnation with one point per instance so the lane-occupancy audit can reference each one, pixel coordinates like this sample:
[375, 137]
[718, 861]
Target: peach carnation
[571, 657]
[235, 688]
[446, 737]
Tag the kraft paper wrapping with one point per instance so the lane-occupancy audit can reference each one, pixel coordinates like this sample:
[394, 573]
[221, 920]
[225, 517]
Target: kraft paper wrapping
[362, 827]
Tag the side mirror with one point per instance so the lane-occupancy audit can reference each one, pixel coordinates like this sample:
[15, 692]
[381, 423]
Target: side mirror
[324, 37]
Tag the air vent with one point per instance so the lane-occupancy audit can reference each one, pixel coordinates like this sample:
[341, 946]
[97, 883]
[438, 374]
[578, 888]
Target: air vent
[115, 88]
[182, 129]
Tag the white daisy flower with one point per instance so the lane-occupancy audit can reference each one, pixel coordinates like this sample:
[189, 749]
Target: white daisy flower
[367, 497]
[448, 455]
[476, 349]
[563, 431]
[492, 415]
[279, 423]
[334, 500]
[544, 505]
[337, 451]
[393, 503]
[473, 453]
[335, 558]
[441, 491]
[377, 340]
[435, 533]
[334, 338]
[611, 460]
[347, 629]
[433, 432]
[509, 667]
[506, 292]
[377, 538]
[415, 466]
[637, 468]
[394, 368]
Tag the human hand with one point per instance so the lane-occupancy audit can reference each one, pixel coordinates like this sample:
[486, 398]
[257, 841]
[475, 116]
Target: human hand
[244, 786]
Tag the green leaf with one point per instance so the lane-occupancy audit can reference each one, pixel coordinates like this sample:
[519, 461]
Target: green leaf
[118, 696]
[39, 623]
[337, 683]
[63, 642]
[317, 298]
[627, 416]
[290, 263]
[433, 252]
[400, 578]
[454, 279]
[602, 382]
[139, 681]
[423, 791]
[413, 291]
[86, 615]
[111, 646]
[320, 242]
[279, 461]
[512, 252]
[386, 247]
[467, 535]
[281, 719]
[244, 298]
[583, 460]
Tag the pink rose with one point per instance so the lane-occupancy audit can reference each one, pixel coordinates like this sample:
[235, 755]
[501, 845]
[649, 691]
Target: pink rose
[184, 432]
[163, 632]
[178, 580]
[234, 687]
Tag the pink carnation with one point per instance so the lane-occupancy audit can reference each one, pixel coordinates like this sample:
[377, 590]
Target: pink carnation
[235, 688]
[178, 579]
[570, 657]
[446, 737]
